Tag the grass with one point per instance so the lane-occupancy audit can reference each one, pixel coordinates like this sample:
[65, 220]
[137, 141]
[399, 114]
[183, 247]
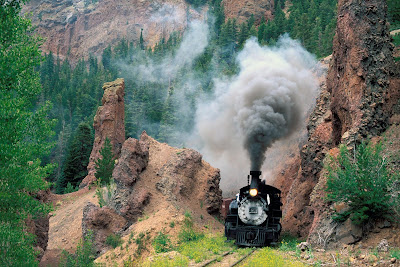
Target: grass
[114, 240]
[269, 257]
[162, 243]
[166, 261]
[395, 253]
[205, 248]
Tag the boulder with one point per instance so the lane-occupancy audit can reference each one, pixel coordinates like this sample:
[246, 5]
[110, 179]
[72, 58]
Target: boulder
[108, 123]
[128, 200]
[133, 160]
[348, 232]
[187, 176]
[100, 223]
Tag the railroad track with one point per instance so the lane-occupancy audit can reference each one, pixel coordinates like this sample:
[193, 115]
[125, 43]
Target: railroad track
[236, 263]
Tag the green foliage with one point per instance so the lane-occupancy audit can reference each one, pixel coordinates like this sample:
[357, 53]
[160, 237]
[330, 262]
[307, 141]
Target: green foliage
[268, 257]
[84, 255]
[187, 232]
[394, 13]
[70, 189]
[362, 181]
[24, 133]
[395, 253]
[196, 3]
[141, 242]
[114, 240]
[166, 261]
[75, 167]
[105, 165]
[100, 193]
[288, 242]
[162, 243]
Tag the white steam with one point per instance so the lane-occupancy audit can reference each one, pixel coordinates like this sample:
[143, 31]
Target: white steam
[193, 44]
[265, 102]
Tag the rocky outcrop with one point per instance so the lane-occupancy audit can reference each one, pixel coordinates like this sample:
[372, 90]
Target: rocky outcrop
[133, 160]
[128, 200]
[352, 106]
[40, 226]
[298, 214]
[184, 177]
[99, 223]
[242, 10]
[78, 28]
[108, 123]
[359, 76]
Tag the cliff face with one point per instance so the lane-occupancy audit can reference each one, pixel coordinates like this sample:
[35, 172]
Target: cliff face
[242, 10]
[359, 76]
[78, 29]
[356, 102]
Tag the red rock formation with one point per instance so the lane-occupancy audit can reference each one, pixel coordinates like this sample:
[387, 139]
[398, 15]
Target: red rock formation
[108, 122]
[358, 78]
[353, 106]
[133, 160]
[129, 200]
[70, 27]
[101, 222]
[187, 176]
[242, 10]
[40, 226]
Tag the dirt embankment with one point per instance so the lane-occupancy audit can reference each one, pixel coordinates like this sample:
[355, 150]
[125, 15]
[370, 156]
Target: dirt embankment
[65, 229]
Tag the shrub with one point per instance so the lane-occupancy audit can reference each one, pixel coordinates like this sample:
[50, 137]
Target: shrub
[84, 255]
[187, 233]
[105, 165]
[114, 240]
[162, 243]
[362, 181]
[70, 188]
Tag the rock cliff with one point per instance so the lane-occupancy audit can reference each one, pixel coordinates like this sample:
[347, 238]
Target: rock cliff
[356, 102]
[242, 10]
[108, 123]
[80, 28]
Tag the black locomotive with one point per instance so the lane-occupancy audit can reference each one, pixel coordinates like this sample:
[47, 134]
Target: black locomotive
[253, 218]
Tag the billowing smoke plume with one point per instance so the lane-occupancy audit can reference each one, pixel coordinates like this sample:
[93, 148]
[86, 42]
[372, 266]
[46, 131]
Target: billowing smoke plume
[265, 102]
[193, 44]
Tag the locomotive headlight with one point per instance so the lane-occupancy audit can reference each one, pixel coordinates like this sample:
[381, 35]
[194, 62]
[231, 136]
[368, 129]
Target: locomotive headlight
[253, 192]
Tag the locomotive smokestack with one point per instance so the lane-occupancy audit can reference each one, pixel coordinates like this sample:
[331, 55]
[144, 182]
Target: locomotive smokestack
[255, 179]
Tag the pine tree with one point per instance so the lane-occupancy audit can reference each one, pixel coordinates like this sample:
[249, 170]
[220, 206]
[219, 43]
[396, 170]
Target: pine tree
[24, 135]
[75, 166]
[105, 165]
[141, 41]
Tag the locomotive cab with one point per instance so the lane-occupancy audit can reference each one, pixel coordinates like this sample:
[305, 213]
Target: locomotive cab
[253, 218]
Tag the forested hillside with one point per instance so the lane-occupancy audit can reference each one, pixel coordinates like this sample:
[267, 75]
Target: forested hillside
[163, 86]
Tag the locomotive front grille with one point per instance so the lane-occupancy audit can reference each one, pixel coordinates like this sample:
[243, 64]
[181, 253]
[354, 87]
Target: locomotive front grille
[253, 237]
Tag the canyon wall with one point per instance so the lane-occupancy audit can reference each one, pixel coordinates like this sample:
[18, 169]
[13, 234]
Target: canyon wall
[356, 102]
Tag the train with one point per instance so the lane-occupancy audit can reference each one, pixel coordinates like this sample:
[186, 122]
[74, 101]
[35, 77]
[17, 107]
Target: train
[254, 216]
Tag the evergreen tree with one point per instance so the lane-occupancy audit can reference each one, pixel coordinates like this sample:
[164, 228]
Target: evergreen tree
[24, 134]
[75, 166]
[105, 165]
[261, 32]
[141, 41]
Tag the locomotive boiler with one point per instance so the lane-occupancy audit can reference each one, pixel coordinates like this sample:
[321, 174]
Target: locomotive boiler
[253, 218]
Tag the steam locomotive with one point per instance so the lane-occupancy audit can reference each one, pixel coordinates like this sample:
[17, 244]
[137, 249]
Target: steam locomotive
[253, 218]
